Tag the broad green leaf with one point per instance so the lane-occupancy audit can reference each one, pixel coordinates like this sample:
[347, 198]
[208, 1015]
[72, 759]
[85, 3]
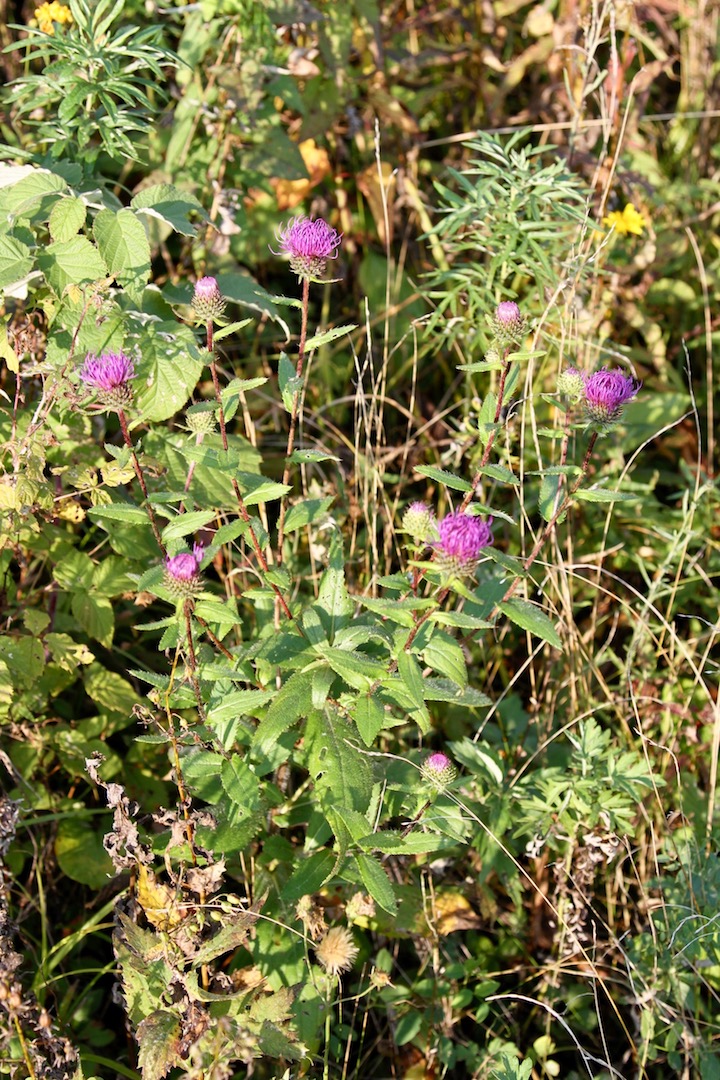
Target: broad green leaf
[74, 571]
[109, 691]
[478, 760]
[309, 876]
[239, 703]
[15, 261]
[292, 702]
[135, 515]
[71, 262]
[377, 883]
[123, 244]
[240, 784]
[171, 205]
[442, 653]
[328, 335]
[256, 489]
[398, 611]
[443, 477]
[308, 457]
[171, 365]
[95, 615]
[532, 618]
[25, 659]
[158, 1038]
[500, 473]
[341, 772]
[460, 619]
[67, 218]
[80, 853]
[306, 511]
[411, 675]
[333, 604]
[369, 716]
[393, 843]
[446, 690]
[232, 328]
[20, 198]
[186, 523]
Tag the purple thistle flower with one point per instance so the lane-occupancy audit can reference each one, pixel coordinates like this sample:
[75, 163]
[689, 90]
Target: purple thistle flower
[509, 323]
[463, 536]
[309, 244]
[508, 313]
[438, 769]
[182, 571]
[109, 374]
[208, 302]
[605, 394]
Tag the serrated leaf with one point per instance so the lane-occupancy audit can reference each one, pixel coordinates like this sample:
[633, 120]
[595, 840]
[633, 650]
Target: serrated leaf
[369, 716]
[292, 702]
[256, 489]
[393, 843]
[308, 457]
[333, 604]
[240, 784]
[134, 515]
[443, 654]
[7, 353]
[71, 262]
[398, 611]
[357, 670]
[15, 261]
[446, 690]
[95, 615]
[547, 499]
[239, 703]
[460, 620]
[123, 244]
[67, 218]
[187, 523]
[289, 382]
[171, 205]
[340, 770]
[158, 1038]
[411, 675]
[328, 335]
[231, 936]
[306, 511]
[443, 477]
[309, 876]
[532, 618]
[500, 473]
[171, 365]
[477, 760]
[377, 883]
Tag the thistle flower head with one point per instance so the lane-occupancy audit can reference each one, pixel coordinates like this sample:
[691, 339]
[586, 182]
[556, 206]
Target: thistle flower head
[309, 244]
[208, 302]
[605, 394]
[419, 521]
[438, 770]
[200, 418]
[109, 375]
[509, 323]
[182, 572]
[462, 538]
[337, 951]
[571, 383]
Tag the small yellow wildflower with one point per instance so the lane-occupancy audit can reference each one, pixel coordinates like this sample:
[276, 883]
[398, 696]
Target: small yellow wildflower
[48, 14]
[626, 221]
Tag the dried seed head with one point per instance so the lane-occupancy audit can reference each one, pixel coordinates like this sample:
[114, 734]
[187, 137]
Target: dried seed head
[337, 951]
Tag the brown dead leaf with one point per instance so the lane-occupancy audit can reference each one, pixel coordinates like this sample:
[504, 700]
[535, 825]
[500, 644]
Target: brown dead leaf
[291, 193]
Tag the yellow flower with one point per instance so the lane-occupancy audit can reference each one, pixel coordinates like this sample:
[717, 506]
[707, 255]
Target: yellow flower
[626, 221]
[48, 14]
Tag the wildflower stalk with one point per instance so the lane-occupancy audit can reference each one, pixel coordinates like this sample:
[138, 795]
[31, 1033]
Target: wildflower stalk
[242, 508]
[141, 478]
[293, 416]
[491, 437]
[24, 1047]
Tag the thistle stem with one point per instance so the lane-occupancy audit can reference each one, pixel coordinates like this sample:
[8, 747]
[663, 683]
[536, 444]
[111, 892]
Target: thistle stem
[491, 437]
[141, 478]
[293, 416]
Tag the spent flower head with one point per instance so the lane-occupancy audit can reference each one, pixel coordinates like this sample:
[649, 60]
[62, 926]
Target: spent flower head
[606, 391]
[182, 572]
[438, 770]
[109, 375]
[208, 302]
[462, 538]
[309, 244]
[337, 951]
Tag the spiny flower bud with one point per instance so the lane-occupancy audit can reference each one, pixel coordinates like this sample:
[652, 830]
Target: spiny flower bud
[109, 375]
[419, 521]
[200, 419]
[605, 394]
[508, 323]
[309, 244]
[208, 302]
[438, 770]
[462, 538]
[182, 572]
[571, 383]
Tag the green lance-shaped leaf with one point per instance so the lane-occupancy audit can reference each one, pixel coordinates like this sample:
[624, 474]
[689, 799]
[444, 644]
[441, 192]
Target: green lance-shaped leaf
[532, 618]
[377, 883]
